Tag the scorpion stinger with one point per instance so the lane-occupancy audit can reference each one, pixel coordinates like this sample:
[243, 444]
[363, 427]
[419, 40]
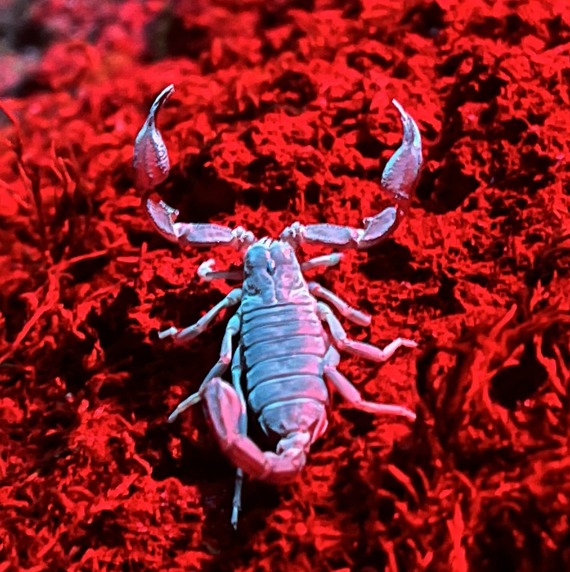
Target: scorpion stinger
[399, 179]
[152, 167]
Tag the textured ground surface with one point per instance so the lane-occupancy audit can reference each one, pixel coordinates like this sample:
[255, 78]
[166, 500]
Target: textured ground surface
[282, 113]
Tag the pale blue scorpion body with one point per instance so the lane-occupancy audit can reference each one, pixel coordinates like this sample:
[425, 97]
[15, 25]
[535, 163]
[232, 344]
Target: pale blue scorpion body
[289, 396]
[285, 359]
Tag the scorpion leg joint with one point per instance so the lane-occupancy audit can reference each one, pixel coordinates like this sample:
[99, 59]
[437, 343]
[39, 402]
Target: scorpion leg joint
[353, 397]
[341, 306]
[193, 331]
[361, 349]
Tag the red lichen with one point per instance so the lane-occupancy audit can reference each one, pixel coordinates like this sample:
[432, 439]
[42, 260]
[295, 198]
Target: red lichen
[281, 113]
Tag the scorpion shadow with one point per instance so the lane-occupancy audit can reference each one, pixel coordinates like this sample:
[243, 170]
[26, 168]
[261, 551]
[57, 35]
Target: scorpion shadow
[394, 261]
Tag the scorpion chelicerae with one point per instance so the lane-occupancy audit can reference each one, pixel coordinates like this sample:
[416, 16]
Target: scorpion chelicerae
[285, 356]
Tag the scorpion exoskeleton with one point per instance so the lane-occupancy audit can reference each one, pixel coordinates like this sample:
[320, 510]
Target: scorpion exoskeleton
[284, 355]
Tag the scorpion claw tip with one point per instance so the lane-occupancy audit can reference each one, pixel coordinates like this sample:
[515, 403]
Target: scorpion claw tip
[161, 98]
[398, 106]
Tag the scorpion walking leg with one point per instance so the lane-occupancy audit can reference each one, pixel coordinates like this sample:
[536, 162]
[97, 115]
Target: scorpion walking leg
[242, 426]
[207, 273]
[325, 261]
[352, 395]
[219, 369]
[341, 306]
[193, 331]
[360, 349]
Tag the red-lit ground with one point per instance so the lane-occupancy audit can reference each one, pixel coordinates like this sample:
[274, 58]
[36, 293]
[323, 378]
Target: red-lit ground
[282, 113]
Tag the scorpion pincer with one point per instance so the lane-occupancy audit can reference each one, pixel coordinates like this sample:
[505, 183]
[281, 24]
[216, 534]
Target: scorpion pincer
[285, 356]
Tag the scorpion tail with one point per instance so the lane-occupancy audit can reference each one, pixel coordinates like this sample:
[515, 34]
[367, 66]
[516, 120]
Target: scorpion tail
[224, 408]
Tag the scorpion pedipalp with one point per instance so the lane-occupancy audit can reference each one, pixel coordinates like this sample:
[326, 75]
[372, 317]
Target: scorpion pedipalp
[194, 234]
[152, 166]
[399, 179]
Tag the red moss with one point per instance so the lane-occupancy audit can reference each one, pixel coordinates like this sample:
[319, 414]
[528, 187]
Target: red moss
[282, 113]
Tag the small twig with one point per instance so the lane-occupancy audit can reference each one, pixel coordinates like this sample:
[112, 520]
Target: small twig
[51, 298]
[65, 264]
[10, 117]
[557, 50]
[15, 195]
[52, 295]
[31, 178]
[34, 177]
[549, 365]
[405, 481]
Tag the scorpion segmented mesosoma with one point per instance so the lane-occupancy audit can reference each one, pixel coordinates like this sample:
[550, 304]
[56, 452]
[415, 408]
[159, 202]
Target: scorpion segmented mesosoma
[289, 338]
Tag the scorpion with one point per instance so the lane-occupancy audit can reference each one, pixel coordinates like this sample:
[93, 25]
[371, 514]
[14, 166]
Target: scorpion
[285, 359]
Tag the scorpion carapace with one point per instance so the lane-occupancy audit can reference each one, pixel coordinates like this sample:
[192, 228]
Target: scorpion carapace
[289, 340]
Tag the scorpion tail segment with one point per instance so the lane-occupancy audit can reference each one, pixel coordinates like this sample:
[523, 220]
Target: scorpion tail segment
[224, 409]
[164, 217]
[151, 161]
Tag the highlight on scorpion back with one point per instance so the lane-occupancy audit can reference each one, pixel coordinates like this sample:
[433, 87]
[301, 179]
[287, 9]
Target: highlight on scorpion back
[282, 345]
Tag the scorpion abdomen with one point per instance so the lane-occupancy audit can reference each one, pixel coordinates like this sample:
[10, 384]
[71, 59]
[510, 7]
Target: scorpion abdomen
[283, 347]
